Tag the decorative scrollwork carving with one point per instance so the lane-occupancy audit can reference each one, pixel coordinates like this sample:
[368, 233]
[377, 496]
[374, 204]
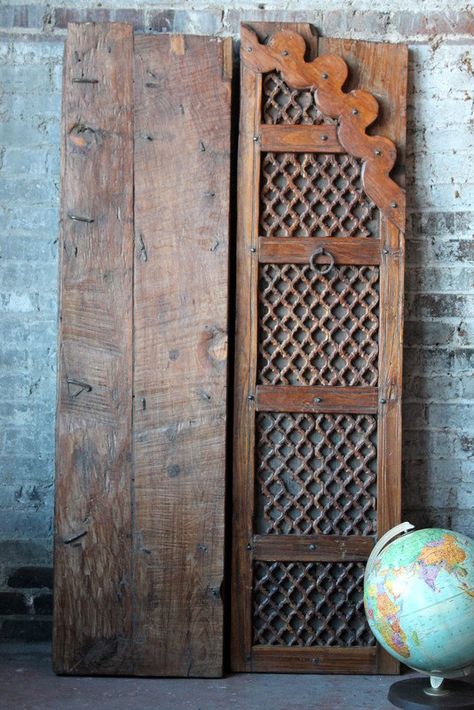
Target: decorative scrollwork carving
[354, 110]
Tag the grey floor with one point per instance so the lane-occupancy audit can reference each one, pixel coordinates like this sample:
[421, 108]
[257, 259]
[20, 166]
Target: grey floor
[28, 683]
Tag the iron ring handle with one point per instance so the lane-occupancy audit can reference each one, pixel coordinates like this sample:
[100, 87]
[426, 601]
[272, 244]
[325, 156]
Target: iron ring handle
[321, 268]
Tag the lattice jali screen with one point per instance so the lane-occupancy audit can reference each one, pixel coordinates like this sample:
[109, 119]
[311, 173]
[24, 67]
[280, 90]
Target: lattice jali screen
[314, 195]
[318, 348]
[309, 604]
[283, 105]
[318, 329]
[316, 473]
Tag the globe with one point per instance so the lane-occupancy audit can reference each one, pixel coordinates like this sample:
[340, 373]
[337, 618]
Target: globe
[419, 600]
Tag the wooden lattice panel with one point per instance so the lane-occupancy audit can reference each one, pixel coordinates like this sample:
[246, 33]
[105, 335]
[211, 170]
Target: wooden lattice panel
[314, 195]
[284, 105]
[316, 473]
[318, 346]
[310, 604]
[318, 328]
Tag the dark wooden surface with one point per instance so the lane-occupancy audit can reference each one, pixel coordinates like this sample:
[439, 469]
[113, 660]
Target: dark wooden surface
[139, 544]
[261, 561]
[93, 525]
[182, 164]
[320, 547]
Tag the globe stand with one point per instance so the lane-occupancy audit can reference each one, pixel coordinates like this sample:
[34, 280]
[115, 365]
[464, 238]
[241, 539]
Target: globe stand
[417, 694]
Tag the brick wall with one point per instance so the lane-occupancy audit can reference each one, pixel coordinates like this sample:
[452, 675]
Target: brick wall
[439, 354]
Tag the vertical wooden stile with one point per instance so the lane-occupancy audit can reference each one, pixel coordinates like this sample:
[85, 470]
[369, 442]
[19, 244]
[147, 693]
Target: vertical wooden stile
[182, 166]
[93, 526]
[317, 458]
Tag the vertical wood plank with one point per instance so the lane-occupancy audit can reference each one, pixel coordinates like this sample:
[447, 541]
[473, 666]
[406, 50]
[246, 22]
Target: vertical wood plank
[92, 613]
[182, 164]
[245, 369]
[389, 444]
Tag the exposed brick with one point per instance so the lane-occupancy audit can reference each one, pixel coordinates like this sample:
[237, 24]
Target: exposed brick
[63, 15]
[132, 16]
[27, 16]
[26, 629]
[367, 23]
[451, 22]
[12, 603]
[206, 23]
[427, 334]
[31, 578]
[43, 604]
[160, 20]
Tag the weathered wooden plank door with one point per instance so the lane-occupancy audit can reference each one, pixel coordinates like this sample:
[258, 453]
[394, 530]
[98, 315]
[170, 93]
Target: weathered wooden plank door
[320, 256]
[139, 539]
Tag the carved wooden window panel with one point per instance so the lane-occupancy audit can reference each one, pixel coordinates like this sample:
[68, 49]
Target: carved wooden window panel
[318, 353]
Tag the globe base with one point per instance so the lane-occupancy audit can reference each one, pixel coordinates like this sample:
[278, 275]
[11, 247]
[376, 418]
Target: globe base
[417, 694]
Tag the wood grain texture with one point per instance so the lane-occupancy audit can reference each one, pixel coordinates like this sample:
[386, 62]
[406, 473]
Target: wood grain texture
[325, 548]
[182, 164]
[268, 659]
[300, 139]
[299, 250]
[93, 570]
[389, 474]
[245, 370]
[334, 400]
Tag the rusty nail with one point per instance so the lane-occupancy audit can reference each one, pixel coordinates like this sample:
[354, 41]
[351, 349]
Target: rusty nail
[76, 218]
[285, 53]
[394, 205]
[85, 81]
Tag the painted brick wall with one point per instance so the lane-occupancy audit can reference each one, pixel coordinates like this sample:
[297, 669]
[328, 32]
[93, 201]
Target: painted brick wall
[439, 355]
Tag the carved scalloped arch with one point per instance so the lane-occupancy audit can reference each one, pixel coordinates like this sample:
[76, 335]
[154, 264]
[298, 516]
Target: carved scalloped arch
[354, 110]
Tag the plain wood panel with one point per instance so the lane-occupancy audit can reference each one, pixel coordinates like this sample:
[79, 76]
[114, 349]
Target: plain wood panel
[326, 400]
[182, 165]
[93, 575]
[299, 250]
[312, 548]
[300, 139]
[318, 659]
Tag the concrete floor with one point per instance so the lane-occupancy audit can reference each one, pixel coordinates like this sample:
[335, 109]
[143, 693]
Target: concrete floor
[28, 683]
